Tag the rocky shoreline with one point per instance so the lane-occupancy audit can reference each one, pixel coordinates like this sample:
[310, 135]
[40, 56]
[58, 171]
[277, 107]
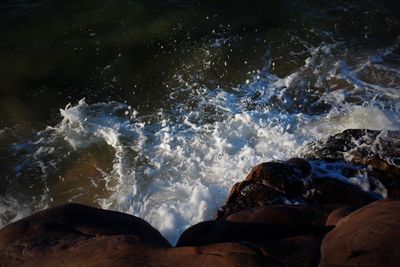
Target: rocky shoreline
[336, 205]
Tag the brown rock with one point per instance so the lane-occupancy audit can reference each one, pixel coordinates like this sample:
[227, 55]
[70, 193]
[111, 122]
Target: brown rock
[299, 251]
[333, 147]
[286, 177]
[338, 214]
[67, 226]
[226, 254]
[367, 237]
[268, 183]
[248, 195]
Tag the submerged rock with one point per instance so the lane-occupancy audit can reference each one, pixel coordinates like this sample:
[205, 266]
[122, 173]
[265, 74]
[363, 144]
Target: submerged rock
[377, 151]
[334, 191]
[293, 182]
[367, 237]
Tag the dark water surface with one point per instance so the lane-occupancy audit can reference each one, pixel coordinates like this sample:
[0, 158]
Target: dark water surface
[181, 98]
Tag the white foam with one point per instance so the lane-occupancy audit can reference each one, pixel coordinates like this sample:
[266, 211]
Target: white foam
[190, 166]
[351, 117]
[12, 210]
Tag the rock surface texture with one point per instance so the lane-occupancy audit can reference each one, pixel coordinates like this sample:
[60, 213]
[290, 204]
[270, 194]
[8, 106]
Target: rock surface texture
[377, 151]
[269, 183]
[367, 237]
[73, 229]
[337, 206]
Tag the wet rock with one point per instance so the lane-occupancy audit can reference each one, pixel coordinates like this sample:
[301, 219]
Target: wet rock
[334, 147]
[338, 214]
[248, 195]
[64, 227]
[334, 191]
[286, 177]
[268, 183]
[378, 151]
[367, 237]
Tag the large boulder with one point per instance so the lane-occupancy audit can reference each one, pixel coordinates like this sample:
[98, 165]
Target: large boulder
[269, 183]
[367, 237]
[287, 177]
[247, 195]
[64, 228]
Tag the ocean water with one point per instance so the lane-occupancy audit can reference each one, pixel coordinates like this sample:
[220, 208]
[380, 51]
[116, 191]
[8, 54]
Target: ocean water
[156, 108]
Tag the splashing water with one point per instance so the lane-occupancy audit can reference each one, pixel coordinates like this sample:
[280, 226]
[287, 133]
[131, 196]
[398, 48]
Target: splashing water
[174, 167]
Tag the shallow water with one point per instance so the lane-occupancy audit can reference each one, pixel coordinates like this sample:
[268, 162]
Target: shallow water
[156, 108]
